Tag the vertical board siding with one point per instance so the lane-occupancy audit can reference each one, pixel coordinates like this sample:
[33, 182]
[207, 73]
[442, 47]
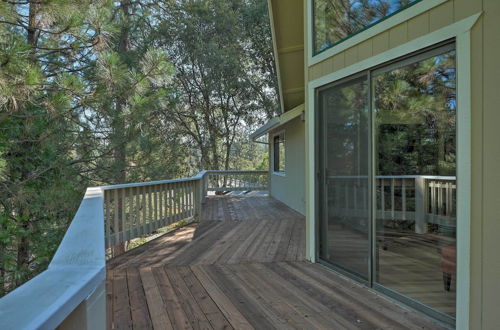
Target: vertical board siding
[365, 49]
[398, 35]
[380, 43]
[418, 26]
[441, 16]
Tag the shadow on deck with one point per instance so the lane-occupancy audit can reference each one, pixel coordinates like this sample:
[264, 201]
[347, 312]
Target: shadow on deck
[242, 267]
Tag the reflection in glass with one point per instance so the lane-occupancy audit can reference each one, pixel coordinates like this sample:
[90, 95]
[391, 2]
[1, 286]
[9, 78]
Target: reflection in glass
[415, 151]
[279, 152]
[344, 229]
[335, 20]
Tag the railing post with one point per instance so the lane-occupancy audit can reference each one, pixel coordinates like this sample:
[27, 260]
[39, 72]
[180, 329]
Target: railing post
[90, 314]
[420, 211]
[198, 199]
[204, 187]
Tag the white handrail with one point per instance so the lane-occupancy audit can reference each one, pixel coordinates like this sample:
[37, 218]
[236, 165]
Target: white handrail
[429, 177]
[75, 275]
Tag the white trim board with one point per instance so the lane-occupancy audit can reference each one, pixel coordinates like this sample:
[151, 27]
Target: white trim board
[381, 26]
[276, 122]
[282, 174]
[461, 32]
[280, 133]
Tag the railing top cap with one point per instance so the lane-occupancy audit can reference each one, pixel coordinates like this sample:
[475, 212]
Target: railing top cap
[197, 177]
[428, 177]
[76, 269]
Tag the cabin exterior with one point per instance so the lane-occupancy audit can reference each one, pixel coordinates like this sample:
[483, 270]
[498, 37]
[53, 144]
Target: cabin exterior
[425, 236]
[383, 198]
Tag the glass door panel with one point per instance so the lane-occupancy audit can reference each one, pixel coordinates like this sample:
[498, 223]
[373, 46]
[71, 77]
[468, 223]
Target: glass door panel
[343, 142]
[414, 105]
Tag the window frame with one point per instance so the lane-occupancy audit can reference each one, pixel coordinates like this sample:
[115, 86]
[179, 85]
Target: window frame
[402, 15]
[280, 137]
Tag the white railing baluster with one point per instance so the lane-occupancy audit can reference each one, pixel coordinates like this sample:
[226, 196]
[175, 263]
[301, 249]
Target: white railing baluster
[144, 210]
[355, 200]
[133, 211]
[403, 198]
[392, 198]
[183, 198]
[156, 217]
[123, 198]
[116, 228]
[160, 205]
[137, 209]
[107, 214]
[382, 197]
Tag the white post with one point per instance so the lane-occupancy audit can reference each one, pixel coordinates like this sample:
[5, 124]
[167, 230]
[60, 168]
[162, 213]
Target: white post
[203, 185]
[198, 198]
[420, 193]
[90, 314]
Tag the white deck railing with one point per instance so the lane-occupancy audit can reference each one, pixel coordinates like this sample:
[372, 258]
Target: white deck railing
[72, 284]
[136, 209]
[71, 292]
[226, 181]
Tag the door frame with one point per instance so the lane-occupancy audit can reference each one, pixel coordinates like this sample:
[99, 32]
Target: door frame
[371, 271]
[321, 177]
[460, 31]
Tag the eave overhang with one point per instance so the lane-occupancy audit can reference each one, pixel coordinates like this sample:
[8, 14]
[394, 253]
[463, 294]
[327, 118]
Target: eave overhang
[276, 122]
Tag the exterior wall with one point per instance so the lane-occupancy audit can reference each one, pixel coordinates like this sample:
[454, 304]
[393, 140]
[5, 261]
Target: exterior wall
[484, 234]
[289, 188]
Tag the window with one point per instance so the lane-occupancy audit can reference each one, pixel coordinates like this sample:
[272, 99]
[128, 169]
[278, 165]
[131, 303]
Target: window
[337, 20]
[279, 153]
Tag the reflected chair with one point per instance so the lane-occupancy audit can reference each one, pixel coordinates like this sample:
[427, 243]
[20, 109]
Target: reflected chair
[448, 264]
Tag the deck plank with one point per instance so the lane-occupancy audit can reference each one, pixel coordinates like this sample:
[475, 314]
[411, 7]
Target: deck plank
[358, 293]
[242, 267]
[109, 298]
[156, 305]
[189, 304]
[207, 305]
[257, 309]
[175, 312]
[121, 308]
[139, 307]
[232, 314]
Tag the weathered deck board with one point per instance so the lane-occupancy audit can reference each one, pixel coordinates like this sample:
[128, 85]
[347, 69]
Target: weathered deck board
[242, 267]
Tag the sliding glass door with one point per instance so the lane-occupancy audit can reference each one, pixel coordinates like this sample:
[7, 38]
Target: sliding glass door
[387, 179]
[344, 152]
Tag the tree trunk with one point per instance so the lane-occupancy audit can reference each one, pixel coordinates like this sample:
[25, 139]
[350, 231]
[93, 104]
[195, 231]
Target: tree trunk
[119, 129]
[22, 260]
[23, 242]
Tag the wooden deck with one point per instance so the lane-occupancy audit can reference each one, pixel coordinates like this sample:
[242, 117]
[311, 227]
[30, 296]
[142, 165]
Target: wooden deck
[242, 267]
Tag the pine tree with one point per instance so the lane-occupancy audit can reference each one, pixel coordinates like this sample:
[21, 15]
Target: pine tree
[43, 54]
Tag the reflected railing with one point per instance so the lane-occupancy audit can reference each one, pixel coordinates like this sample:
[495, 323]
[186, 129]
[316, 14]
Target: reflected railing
[422, 199]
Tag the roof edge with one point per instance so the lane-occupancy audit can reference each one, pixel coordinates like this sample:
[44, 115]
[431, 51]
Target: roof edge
[277, 122]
